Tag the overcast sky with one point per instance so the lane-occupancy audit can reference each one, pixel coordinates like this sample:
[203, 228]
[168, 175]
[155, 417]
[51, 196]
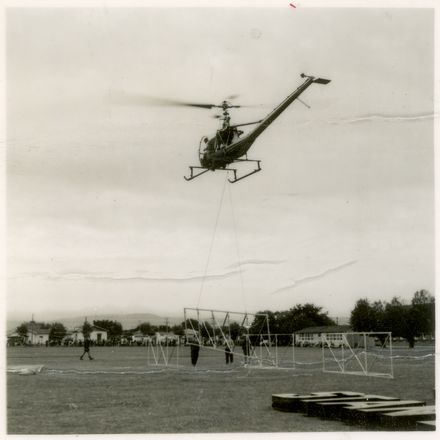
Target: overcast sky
[100, 219]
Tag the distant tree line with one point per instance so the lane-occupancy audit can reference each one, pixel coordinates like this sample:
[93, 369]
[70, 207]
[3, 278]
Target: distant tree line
[114, 329]
[116, 333]
[286, 322]
[292, 320]
[408, 321]
[281, 322]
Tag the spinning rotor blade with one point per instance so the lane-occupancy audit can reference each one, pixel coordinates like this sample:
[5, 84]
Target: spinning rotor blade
[126, 98]
[164, 101]
[192, 104]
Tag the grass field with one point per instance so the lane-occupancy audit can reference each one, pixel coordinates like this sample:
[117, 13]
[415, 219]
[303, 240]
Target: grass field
[119, 393]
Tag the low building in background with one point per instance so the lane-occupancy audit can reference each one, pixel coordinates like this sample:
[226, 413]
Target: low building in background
[37, 334]
[97, 335]
[165, 338]
[141, 339]
[14, 339]
[312, 336]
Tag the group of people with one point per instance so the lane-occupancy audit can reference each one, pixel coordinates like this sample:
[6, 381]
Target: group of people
[229, 350]
[195, 348]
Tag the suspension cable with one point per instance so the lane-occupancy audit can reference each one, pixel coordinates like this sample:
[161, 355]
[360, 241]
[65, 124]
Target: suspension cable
[212, 241]
[243, 296]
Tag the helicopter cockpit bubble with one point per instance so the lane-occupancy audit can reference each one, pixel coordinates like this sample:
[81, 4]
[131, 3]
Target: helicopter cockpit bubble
[203, 146]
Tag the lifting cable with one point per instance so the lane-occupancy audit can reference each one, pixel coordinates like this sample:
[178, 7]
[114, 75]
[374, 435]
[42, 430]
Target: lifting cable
[212, 241]
[237, 247]
[238, 250]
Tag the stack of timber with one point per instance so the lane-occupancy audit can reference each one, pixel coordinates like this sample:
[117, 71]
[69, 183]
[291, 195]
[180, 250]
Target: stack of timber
[366, 411]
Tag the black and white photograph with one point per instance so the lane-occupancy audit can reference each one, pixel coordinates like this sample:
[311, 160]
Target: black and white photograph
[219, 217]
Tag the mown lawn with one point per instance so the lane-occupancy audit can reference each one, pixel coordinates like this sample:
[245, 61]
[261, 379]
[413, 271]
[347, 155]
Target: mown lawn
[119, 393]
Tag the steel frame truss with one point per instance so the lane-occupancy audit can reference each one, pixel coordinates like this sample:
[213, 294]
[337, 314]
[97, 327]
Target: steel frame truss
[220, 321]
[354, 350]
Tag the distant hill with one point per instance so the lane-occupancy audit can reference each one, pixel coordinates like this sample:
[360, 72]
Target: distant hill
[128, 321]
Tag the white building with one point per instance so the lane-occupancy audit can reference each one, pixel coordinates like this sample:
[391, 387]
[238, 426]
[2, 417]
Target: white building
[140, 338]
[165, 338]
[39, 336]
[97, 335]
[312, 336]
[36, 335]
[14, 339]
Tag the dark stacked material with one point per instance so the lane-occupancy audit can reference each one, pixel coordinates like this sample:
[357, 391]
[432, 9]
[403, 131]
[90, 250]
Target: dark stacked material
[367, 411]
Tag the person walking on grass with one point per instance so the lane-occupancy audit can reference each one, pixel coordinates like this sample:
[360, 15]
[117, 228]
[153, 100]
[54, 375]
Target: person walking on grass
[86, 349]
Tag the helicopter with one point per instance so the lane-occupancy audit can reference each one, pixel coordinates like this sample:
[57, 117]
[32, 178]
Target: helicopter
[229, 145]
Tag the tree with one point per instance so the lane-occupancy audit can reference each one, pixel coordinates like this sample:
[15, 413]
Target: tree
[422, 297]
[399, 319]
[178, 330]
[22, 330]
[285, 321]
[366, 317]
[192, 324]
[378, 313]
[259, 324]
[206, 330]
[292, 320]
[423, 309]
[402, 320]
[308, 315]
[393, 317]
[145, 328]
[113, 328]
[57, 332]
[234, 328]
[360, 316]
[163, 328]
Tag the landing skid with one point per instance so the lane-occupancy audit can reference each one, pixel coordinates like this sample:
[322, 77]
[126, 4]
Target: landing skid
[193, 176]
[235, 179]
[248, 174]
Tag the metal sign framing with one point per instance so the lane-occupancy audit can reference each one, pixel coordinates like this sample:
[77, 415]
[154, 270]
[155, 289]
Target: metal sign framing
[220, 332]
[356, 355]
